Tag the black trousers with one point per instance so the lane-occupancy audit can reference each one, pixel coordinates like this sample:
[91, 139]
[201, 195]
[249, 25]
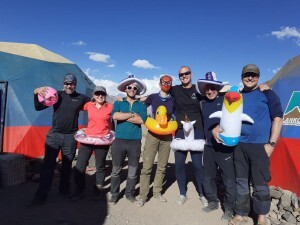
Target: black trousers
[219, 157]
[54, 143]
[84, 154]
[252, 164]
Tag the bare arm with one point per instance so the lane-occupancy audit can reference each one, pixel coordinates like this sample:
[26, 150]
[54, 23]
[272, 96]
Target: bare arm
[275, 132]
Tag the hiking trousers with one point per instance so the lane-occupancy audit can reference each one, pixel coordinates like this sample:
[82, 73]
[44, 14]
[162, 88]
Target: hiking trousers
[252, 164]
[119, 150]
[154, 145]
[214, 158]
[84, 154]
[54, 143]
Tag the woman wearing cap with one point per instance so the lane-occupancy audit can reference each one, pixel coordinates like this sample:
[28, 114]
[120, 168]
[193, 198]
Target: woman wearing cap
[99, 124]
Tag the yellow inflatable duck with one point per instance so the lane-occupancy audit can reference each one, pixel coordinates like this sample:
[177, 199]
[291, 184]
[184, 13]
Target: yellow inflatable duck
[160, 124]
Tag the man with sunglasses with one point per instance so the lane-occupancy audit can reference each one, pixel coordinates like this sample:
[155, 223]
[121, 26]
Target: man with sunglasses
[60, 137]
[156, 144]
[129, 113]
[187, 104]
[257, 143]
[215, 155]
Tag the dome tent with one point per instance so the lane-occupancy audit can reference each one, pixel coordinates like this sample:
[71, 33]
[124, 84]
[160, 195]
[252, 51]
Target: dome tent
[285, 165]
[24, 67]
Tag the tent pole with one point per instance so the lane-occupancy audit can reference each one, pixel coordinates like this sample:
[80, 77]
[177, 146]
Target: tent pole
[2, 113]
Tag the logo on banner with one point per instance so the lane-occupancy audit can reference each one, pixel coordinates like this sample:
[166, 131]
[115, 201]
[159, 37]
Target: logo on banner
[291, 115]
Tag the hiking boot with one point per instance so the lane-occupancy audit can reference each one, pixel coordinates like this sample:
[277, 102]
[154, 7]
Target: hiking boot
[211, 207]
[131, 198]
[161, 198]
[228, 215]
[112, 200]
[141, 202]
[181, 200]
[203, 201]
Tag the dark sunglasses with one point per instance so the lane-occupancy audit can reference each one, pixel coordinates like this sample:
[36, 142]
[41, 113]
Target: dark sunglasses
[67, 83]
[130, 87]
[163, 83]
[211, 87]
[97, 93]
[254, 75]
[185, 73]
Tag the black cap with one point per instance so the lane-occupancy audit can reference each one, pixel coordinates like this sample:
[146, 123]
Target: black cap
[70, 78]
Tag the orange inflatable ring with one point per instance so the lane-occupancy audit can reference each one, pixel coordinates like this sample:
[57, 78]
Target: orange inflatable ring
[160, 124]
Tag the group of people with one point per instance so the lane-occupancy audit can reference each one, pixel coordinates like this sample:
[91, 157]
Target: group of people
[238, 165]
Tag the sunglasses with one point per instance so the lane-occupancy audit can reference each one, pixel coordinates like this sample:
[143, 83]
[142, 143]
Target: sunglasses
[130, 87]
[254, 75]
[185, 73]
[67, 83]
[165, 83]
[98, 93]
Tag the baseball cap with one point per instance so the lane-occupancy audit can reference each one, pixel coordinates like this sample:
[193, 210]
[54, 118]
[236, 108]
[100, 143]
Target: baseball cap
[70, 78]
[100, 89]
[251, 68]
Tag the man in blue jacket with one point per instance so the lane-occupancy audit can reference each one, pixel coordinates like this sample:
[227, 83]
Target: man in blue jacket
[257, 143]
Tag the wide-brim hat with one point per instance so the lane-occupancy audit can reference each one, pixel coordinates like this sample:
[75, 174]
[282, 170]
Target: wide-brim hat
[210, 78]
[132, 79]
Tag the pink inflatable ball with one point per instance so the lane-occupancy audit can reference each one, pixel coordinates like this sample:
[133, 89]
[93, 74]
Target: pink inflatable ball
[50, 98]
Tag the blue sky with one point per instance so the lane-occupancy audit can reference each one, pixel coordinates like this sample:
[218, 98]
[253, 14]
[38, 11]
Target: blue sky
[113, 38]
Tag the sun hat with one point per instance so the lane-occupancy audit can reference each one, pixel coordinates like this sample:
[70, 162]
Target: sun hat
[100, 89]
[210, 78]
[132, 79]
[251, 68]
[70, 78]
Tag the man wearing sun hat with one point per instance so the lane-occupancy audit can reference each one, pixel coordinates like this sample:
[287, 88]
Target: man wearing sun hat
[257, 143]
[129, 113]
[60, 137]
[215, 154]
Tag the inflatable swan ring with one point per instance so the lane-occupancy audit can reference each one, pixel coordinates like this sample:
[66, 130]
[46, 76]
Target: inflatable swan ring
[160, 124]
[81, 137]
[189, 143]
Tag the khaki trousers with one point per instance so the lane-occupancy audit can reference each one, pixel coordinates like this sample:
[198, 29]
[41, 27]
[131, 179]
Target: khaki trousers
[154, 144]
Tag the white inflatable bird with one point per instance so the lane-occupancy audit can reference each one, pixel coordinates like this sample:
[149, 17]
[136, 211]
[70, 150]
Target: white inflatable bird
[231, 117]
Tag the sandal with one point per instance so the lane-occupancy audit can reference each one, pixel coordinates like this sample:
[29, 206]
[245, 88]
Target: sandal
[238, 220]
[140, 203]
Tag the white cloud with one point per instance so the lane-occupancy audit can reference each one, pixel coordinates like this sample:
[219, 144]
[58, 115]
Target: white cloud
[98, 57]
[274, 71]
[111, 65]
[89, 71]
[79, 43]
[288, 32]
[142, 63]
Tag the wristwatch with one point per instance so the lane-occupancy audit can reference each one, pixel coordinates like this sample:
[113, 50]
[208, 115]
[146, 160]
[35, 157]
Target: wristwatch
[132, 114]
[272, 143]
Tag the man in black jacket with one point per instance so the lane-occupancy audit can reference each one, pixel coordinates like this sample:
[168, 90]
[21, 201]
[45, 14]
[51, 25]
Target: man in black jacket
[60, 137]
